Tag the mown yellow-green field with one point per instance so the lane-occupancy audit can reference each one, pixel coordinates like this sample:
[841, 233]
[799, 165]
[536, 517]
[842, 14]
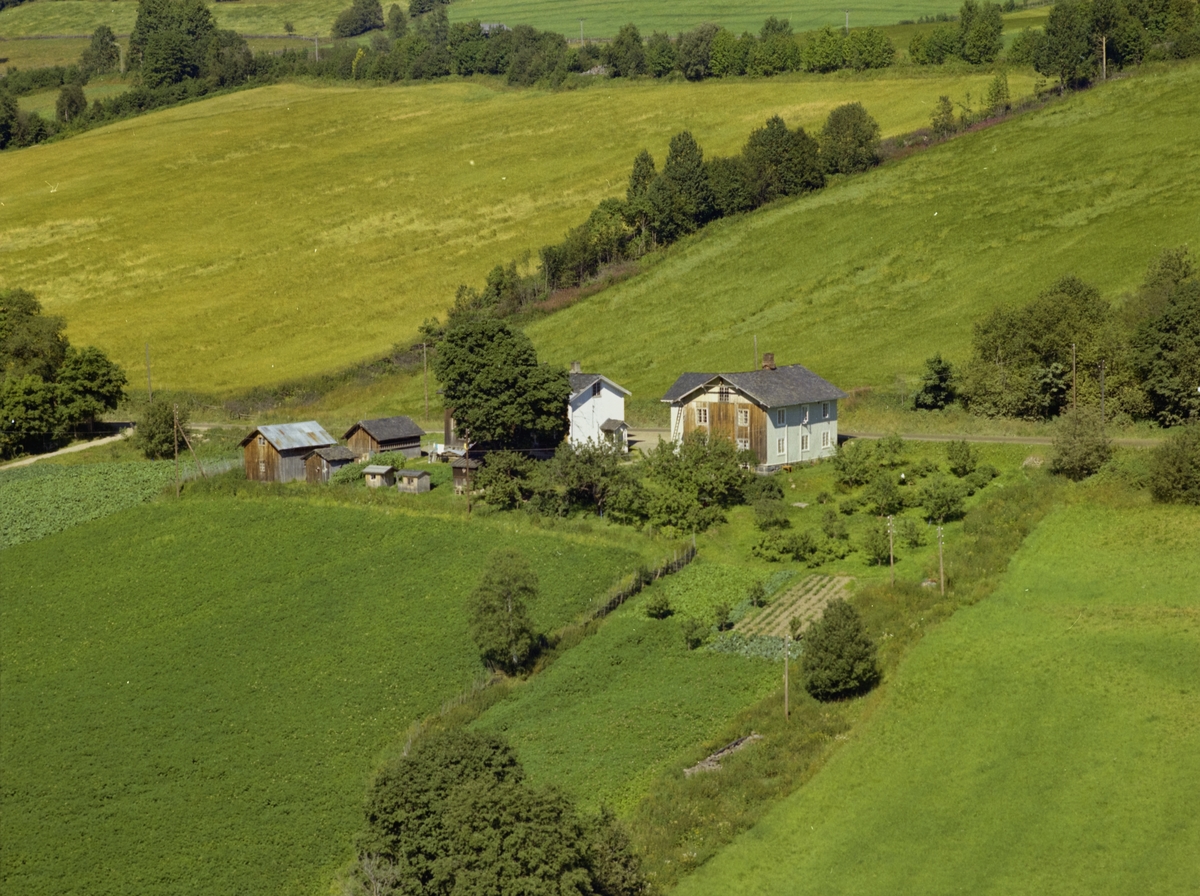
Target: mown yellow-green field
[289, 230]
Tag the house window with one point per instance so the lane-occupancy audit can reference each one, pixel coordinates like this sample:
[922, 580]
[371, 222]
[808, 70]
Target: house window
[804, 414]
[825, 439]
[779, 446]
[595, 389]
[743, 417]
[779, 417]
[825, 410]
[723, 394]
[702, 416]
[261, 441]
[262, 468]
[804, 442]
[743, 444]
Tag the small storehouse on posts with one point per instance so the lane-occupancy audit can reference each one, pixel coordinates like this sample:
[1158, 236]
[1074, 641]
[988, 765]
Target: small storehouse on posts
[783, 414]
[366, 438]
[276, 453]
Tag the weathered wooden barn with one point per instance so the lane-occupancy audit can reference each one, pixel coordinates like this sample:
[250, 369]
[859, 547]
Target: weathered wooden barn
[413, 481]
[320, 465]
[783, 414]
[366, 438]
[276, 453]
[380, 475]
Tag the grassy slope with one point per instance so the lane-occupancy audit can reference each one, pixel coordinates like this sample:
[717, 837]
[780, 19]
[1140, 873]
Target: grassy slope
[83, 16]
[866, 279]
[194, 694]
[1042, 741]
[289, 230]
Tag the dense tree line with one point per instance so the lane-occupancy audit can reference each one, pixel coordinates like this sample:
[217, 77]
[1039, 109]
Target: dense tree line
[976, 39]
[455, 815]
[661, 206]
[49, 390]
[1141, 359]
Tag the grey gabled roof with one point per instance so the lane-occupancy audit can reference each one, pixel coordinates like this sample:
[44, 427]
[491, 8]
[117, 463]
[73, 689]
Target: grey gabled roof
[784, 386]
[612, 425]
[582, 381]
[288, 436]
[387, 429]
[462, 463]
[413, 473]
[334, 452]
[378, 470]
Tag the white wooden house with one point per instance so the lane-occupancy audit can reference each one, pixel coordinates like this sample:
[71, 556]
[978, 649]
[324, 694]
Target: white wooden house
[596, 410]
[783, 414]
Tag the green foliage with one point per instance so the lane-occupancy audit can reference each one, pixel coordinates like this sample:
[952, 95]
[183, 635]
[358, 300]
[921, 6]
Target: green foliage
[884, 495]
[499, 393]
[854, 463]
[362, 16]
[998, 100]
[980, 30]
[169, 40]
[910, 533]
[1081, 446]
[770, 514]
[849, 140]
[500, 622]
[721, 617]
[1026, 46]
[88, 385]
[838, 659]
[1175, 468]
[825, 51]
[876, 546]
[102, 54]
[1067, 51]
[1166, 356]
[833, 526]
[781, 162]
[938, 389]
[962, 457]
[757, 594]
[693, 482]
[694, 632]
[658, 606]
[506, 479]
[625, 56]
[71, 103]
[156, 435]
[31, 343]
[867, 48]
[935, 47]
[942, 499]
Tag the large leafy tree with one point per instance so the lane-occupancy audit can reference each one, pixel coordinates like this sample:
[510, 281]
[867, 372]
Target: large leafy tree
[88, 385]
[190, 25]
[103, 53]
[1081, 446]
[500, 621]
[1175, 468]
[693, 481]
[782, 162]
[850, 140]
[1068, 52]
[499, 393]
[838, 659]
[1167, 356]
[30, 342]
[626, 56]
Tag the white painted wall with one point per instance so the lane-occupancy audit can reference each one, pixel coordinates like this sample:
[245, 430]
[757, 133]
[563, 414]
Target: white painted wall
[587, 412]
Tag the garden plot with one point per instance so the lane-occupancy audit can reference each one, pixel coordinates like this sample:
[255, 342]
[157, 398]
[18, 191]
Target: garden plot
[806, 599]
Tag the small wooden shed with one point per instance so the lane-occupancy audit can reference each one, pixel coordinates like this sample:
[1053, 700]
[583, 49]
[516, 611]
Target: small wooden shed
[366, 438]
[380, 475]
[276, 453]
[324, 462]
[464, 469]
[414, 481]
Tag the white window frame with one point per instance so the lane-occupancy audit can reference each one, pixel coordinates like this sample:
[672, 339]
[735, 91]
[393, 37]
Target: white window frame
[743, 444]
[701, 416]
[824, 410]
[780, 417]
[743, 417]
[804, 441]
[825, 439]
[781, 447]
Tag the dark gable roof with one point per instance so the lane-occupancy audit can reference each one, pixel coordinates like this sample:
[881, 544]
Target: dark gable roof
[335, 452]
[612, 425]
[387, 429]
[784, 386]
[581, 381]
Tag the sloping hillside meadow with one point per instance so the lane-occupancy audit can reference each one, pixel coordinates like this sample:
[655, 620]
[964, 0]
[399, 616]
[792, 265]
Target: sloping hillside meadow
[195, 694]
[1045, 740]
[290, 230]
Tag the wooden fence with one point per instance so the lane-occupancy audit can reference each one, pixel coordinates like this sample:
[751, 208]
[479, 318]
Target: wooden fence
[643, 577]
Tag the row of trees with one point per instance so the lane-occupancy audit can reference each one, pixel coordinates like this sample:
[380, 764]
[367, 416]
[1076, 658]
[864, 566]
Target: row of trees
[977, 39]
[690, 191]
[50, 391]
[1070, 345]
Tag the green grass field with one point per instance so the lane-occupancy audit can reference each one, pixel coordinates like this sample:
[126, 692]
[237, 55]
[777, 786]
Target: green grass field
[289, 230]
[865, 280]
[195, 695]
[1044, 740]
[75, 17]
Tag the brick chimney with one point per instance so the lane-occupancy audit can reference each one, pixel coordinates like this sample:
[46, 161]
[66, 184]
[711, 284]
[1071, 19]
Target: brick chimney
[575, 368]
[768, 360]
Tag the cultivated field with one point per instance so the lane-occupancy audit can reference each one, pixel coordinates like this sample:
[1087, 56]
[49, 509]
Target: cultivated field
[290, 230]
[865, 280]
[805, 600]
[194, 695]
[1044, 740]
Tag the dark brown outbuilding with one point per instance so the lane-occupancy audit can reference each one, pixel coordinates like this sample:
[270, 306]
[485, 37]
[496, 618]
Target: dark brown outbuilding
[324, 462]
[366, 438]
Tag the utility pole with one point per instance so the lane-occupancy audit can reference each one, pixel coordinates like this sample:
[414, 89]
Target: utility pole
[149, 387]
[188, 442]
[425, 359]
[1103, 57]
[1074, 379]
[581, 21]
[1102, 365]
[316, 49]
[787, 708]
[756, 351]
[175, 440]
[847, 21]
[941, 563]
[892, 549]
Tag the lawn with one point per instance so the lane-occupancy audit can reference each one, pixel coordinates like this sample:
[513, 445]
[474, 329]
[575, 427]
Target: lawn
[76, 17]
[195, 695]
[289, 230]
[1044, 740]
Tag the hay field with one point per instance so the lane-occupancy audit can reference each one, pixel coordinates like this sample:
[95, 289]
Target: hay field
[290, 230]
[1044, 740]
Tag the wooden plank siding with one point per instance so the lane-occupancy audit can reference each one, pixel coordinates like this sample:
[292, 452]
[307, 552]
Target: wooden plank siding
[262, 460]
[723, 422]
[361, 443]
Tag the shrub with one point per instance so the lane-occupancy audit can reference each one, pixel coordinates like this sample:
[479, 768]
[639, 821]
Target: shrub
[1175, 468]
[693, 632]
[850, 140]
[963, 458]
[937, 383]
[942, 499]
[759, 488]
[854, 463]
[361, 17]
[981, 477]
[838, 659]
[770, 514]
[910, 532]
[155, 435]
[71, 103]
[659, 605]
[721, 614]
[884, 495]
[876, 544]
[500, 623]
[1081, 447]
[833, 525]
[756, 594]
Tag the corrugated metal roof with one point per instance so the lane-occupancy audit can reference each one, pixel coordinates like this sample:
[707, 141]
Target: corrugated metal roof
[288, 436]
[387, 429]
[782, 387]
[581, 381]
